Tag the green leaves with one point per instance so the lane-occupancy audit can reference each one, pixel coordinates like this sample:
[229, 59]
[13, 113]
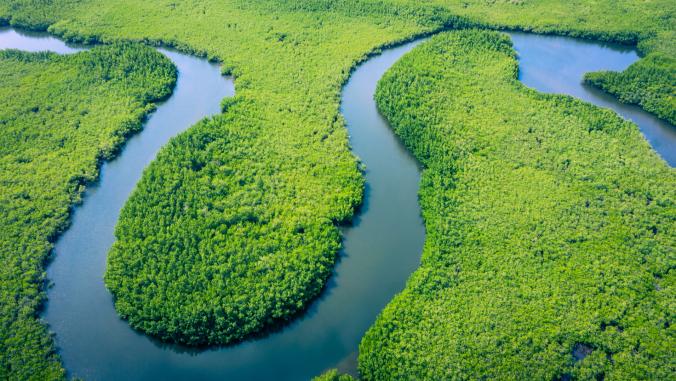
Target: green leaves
[232, 200]
[538, 229]
[218, 241]
[650, 83]
[60, 116]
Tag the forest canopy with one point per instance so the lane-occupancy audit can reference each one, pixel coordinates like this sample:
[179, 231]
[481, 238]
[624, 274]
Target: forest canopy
[282, 138]
[549, 221]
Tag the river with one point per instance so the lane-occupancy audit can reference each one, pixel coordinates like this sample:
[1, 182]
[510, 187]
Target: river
[553, 64]
[381, 248]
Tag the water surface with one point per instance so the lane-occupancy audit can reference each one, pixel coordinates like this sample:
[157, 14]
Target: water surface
[34, 42]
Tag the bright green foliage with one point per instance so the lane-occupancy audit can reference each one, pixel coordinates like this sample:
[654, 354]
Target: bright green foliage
[221, 238]
[611, 20]
[262, 187]
[549, 229]
[333, 375]
[650, 82]
[232, 229]
[652, 24]
[59, 117]
[35, 14]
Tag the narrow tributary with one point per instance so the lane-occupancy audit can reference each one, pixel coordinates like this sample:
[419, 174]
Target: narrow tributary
[381, 249]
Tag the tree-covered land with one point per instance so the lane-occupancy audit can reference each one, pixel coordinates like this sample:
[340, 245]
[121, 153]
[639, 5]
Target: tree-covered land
[333, 375]
[238, 215]
[549, 221]
[233, 228]
[650, 83]
[59, 117]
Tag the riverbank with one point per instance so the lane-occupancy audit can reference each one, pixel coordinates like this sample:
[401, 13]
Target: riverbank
[62, 116]
[548, 228]
[290, 60]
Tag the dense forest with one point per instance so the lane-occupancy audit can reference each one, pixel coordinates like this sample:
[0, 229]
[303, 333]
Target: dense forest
[59, 117]
[333, 375]
[549, 223]
[650, 83]
[234, 227]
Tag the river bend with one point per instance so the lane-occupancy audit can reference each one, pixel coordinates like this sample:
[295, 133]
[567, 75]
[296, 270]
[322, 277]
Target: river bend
[381, 248]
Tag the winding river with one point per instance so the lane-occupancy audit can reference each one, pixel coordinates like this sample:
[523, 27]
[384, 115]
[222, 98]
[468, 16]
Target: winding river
[381, 248]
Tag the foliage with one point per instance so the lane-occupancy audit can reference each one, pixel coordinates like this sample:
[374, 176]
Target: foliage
[235, 255]
[59, 116]
[627, 21]
[35, 14]
[280, 152]
[333, 375]
[233, 228]
[549, 222]
[650, 82]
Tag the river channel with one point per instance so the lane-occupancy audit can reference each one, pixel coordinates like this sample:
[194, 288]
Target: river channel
[381, 248]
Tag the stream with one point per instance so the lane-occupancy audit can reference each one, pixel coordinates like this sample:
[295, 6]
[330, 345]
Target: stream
[380, 249]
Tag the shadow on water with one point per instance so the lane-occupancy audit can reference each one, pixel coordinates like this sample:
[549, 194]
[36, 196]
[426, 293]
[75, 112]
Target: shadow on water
[381, 247]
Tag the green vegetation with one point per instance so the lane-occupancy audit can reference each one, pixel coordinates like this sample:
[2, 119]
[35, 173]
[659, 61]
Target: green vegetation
[333, 375]
[233, 227]
[650, 83]
[59, 117]
[549, 224]
[211, 249]
[628, 21]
